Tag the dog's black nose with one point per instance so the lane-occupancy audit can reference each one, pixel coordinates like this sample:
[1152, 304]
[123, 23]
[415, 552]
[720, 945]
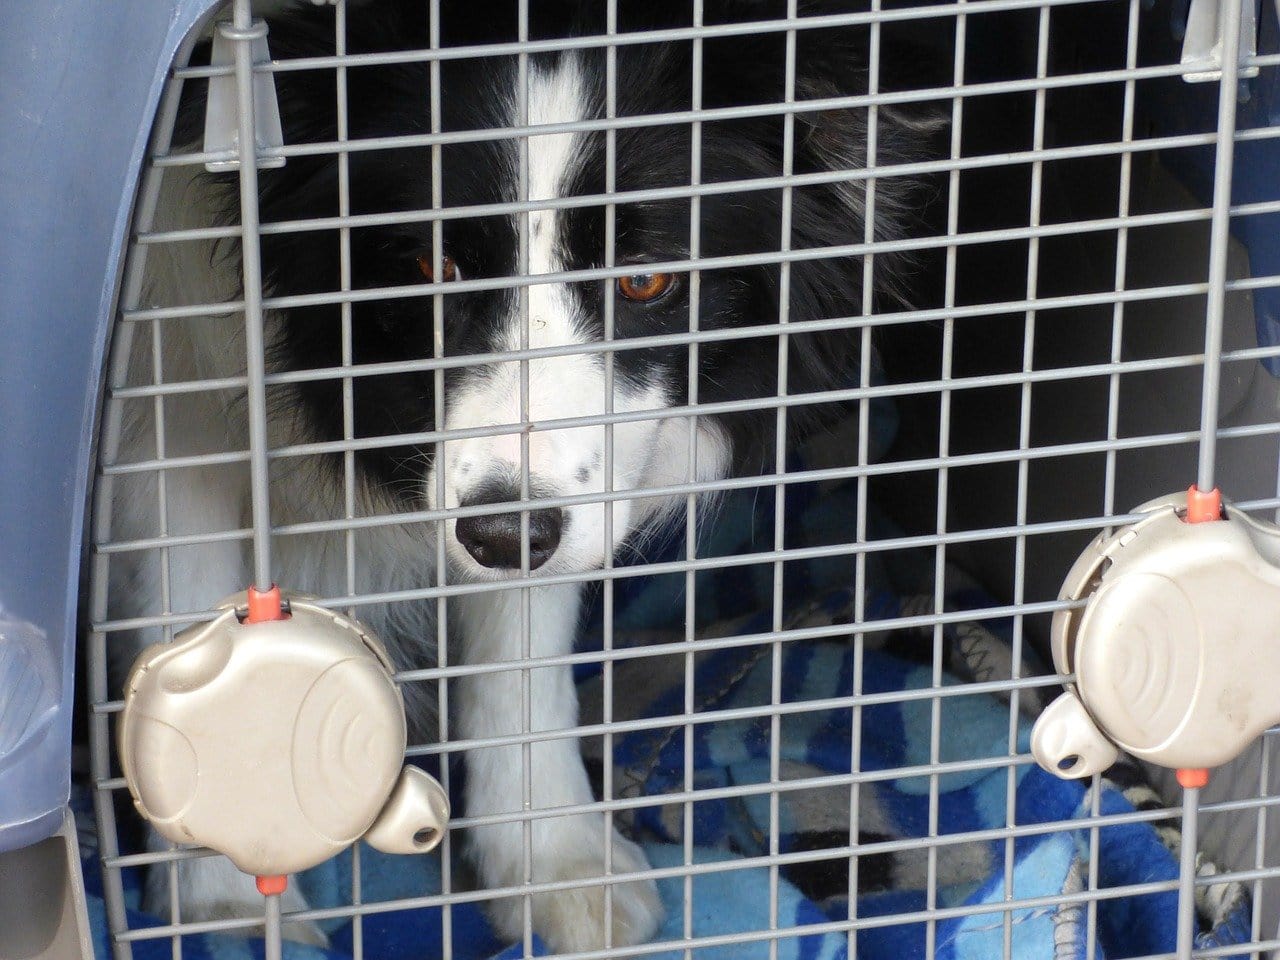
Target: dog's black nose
[494, 539]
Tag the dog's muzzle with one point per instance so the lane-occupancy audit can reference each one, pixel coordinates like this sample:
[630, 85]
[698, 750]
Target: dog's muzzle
[494, 540]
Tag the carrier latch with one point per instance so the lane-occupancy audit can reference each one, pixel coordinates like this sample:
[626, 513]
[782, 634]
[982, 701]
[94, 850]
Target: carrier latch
[276, 739]
[1176, 650]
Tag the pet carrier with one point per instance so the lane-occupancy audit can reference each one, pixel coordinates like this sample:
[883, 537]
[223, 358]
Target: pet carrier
[723, 584]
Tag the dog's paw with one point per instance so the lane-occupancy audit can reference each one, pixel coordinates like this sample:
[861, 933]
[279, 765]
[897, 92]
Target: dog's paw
[212, 889]
[574, 920]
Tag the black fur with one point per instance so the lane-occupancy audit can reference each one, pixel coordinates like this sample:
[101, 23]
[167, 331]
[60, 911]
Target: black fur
[654, 77]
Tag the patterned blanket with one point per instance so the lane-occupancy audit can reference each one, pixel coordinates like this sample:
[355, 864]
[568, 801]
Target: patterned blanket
[991, 783]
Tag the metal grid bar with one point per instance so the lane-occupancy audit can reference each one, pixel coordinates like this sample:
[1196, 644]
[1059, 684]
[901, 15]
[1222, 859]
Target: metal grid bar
[867, 849]
[949, 461]
[1230, 13]
[699, 870]
[707, 941]
[694, 190]
[865, 546]
[166, 593]
[349, 480]
[1113, 410]
[860, 565]
[724, 113]
[867, 923]
[1259, 855]
[136, 623]
[698, 32]
[152, 466]
[737, 186]
[242, 32]
[920, 387]
[678, 266]
[1024, 443]
[691, 499]
[610, 544]
[438, 351]
[1221, 223]
[780, 441]
[1115, 367]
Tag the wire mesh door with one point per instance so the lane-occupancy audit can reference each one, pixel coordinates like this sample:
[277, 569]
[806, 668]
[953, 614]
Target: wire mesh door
[704, 406]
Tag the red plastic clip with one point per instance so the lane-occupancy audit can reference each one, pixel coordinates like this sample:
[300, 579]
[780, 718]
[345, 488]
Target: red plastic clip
[1188, 778]
[1203, 506]
[265, 606]
[271, 886]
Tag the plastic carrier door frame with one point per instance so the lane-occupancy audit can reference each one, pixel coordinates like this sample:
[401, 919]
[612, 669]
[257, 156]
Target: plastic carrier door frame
[75, 118]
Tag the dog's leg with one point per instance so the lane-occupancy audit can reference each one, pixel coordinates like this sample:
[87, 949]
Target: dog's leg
[568, 847]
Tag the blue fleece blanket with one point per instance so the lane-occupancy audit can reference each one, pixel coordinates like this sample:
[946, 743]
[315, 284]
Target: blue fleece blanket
[886, 888]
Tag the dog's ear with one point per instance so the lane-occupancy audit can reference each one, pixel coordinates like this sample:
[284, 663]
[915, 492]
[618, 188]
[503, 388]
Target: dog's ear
[832, 133]
[832, 127]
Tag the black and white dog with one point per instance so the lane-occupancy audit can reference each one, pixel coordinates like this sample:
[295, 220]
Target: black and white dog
[481, 92]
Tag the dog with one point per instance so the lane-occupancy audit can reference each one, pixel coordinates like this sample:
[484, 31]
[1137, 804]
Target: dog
[522, 363]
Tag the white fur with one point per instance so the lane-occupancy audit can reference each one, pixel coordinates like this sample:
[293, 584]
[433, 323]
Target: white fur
[565, 460]
[562, 848]
[490, 626]
[560, 461]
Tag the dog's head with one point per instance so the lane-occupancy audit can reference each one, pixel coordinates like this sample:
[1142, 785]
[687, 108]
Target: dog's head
[535, 404]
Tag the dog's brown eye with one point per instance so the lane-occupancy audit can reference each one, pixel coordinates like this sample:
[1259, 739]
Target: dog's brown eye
[645, 287]
[447, 267]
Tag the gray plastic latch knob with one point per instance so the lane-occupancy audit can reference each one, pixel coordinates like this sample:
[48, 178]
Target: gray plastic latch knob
[277, 743]
[1176, 653]
[1066, 741]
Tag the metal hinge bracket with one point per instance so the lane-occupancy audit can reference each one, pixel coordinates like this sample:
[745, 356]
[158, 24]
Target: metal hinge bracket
[1203, 42]
[221, 126]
